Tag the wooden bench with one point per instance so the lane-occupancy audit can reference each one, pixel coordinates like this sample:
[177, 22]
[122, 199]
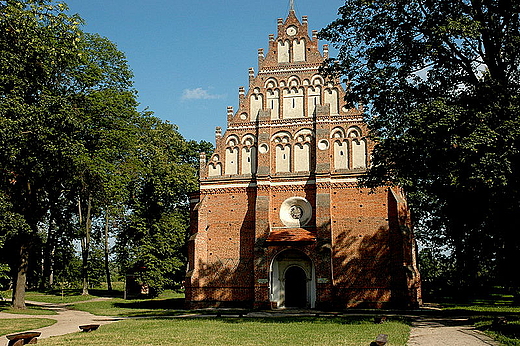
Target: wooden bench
[25, 338]
[88, 327]
[381, 340]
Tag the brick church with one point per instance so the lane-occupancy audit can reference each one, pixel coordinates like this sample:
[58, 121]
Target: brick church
[280, 220]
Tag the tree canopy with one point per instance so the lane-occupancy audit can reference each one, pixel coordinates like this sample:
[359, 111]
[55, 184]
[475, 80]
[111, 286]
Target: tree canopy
[74, 150]
[440, 81]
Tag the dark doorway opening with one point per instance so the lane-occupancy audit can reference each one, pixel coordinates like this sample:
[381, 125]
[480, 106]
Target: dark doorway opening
[295, 288]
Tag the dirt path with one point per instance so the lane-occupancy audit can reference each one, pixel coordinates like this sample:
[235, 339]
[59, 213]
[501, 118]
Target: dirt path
[67, 320]
[447, 332]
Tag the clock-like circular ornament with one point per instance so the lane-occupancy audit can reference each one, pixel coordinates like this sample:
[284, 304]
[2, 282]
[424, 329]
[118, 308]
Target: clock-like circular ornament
[291, 31]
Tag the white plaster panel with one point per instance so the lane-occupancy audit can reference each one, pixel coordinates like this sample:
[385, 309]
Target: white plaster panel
[231, 161]
[302, 153]
[283, 158]
[255, 104]
[293, 103]
[248, 160]
[215, 170]
[283, 51]
[359, 156]
[273, 103]
[340, 155]
[299, 50]
[331, 97]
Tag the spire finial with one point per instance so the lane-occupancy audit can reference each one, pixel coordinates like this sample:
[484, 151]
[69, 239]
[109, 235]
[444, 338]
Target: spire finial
[291, 6]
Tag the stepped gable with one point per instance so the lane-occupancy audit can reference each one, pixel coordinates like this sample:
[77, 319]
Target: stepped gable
[280, 220]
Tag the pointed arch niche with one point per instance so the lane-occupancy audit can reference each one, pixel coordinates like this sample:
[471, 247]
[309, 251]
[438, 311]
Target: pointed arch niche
[215, 166]
[283, 51]
[299, 50]
[331, 97]
[293, 102]
[341, 157]
[248, 154]
[302, 150]
[282, 141]
[231, 163]
[256, 101]
[359, 148]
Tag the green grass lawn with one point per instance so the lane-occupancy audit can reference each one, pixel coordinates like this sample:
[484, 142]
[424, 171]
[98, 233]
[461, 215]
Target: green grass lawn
[238, 331]
[5, 306]
[169, 303]
[58, 296]
[70, 296]
[159, 326]
[507, 334]
[10, 326]
[483, 312]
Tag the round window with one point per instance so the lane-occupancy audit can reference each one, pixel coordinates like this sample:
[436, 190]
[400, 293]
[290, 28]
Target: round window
[295, 212]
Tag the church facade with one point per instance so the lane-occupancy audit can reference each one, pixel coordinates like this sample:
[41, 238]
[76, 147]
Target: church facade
[280, 220]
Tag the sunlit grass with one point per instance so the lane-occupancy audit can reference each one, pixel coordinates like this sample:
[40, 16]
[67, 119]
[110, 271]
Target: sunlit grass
[167, 304]
[10, 326]
[239, 331]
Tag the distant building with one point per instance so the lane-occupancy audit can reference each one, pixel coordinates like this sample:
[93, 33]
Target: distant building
[280, 220]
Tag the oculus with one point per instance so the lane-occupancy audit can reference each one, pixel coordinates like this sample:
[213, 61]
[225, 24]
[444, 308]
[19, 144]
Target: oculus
[295, 212]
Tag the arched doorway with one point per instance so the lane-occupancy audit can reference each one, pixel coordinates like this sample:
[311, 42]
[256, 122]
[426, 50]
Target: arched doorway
[295, 287]
[292, 280]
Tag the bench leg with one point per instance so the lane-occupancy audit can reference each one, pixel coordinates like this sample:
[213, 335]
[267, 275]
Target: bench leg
[21, 342]
[18, 342]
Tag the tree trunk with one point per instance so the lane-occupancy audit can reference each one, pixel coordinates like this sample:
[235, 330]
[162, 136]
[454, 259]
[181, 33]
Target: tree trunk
[21, 278]
[50, 267]
[107, 252]
[85, 243]
[48, 250]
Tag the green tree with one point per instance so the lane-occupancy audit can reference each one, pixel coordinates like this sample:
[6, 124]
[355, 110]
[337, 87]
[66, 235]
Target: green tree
[67, 114]
[441, 83]
[106, 107]
[154, 238]
[38, 49]
[74, 151]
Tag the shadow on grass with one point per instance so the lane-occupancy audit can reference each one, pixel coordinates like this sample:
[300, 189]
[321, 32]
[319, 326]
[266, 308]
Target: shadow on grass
[71, 292]
[508, 327]
[509, 330]
[153, 304]
[346, 320]
[5, 306]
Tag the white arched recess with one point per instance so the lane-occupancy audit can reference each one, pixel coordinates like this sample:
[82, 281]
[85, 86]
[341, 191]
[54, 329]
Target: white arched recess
[279, 266]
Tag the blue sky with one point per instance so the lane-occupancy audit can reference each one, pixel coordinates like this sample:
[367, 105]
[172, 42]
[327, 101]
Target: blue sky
[189, 57]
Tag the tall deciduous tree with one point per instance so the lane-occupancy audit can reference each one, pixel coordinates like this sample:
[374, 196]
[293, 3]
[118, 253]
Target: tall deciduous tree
[38, 49]
[106, 109]
[68, 114]
[441, 80]
[74, 150]
[152, 243]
